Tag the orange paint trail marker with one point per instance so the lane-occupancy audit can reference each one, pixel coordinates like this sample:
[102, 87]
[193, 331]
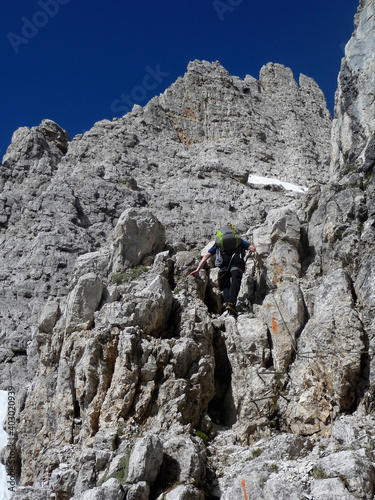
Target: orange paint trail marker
[244, 488]
[274, 325]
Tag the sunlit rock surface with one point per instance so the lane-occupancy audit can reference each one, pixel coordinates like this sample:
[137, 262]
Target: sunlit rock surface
[131, 383]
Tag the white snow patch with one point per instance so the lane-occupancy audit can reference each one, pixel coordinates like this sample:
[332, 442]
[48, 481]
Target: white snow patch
[267, 181]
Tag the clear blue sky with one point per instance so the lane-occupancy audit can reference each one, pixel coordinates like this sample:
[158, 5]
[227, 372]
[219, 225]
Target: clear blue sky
[79, 61]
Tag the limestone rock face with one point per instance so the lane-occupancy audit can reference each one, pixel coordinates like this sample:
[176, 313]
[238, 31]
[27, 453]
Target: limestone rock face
[131, 383]
[288, 466]
[29, 146]
[136, 234]
[177, 157]
[284, 313]
[145, 460]
[326, 375]
[352, 132]
[83, 301]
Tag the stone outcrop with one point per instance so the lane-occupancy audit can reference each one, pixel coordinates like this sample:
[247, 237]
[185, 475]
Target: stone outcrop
[289, 466]
[60, 199]
[131, 383]
[353, 137]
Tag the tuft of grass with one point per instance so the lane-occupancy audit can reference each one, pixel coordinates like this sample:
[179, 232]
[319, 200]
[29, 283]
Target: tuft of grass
[201, 435]
[256, 453]
[129, 275]
[318, 473]
[123, 469]
[119, 278]
[121, 473]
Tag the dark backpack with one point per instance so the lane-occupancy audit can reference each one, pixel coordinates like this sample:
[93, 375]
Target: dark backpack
[226, 239]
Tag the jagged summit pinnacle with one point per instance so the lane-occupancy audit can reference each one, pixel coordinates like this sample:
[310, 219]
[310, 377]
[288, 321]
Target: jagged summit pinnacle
[127, 374]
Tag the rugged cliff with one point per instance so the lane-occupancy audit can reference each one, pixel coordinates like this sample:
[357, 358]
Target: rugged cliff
[130, 382]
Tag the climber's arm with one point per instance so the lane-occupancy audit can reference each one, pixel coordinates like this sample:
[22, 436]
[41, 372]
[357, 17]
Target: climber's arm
[204, 259]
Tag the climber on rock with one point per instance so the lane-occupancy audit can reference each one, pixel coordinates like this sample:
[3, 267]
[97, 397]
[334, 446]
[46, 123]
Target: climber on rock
[229, 250]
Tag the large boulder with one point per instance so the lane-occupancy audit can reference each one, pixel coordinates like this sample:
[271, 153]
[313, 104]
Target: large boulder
[145, 460]
[137, 233]
[283, 311]
[325, 377]
[83, 301]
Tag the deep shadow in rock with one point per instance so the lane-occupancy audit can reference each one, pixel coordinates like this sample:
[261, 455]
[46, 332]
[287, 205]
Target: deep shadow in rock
[173, 326]
[212, 301]
[168, 477]
[308, 253]
[221, 408]
[361, 382]
[261, 286]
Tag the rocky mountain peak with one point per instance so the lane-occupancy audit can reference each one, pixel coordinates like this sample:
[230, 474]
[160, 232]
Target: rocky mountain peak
[31, 149]
[131, 382]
